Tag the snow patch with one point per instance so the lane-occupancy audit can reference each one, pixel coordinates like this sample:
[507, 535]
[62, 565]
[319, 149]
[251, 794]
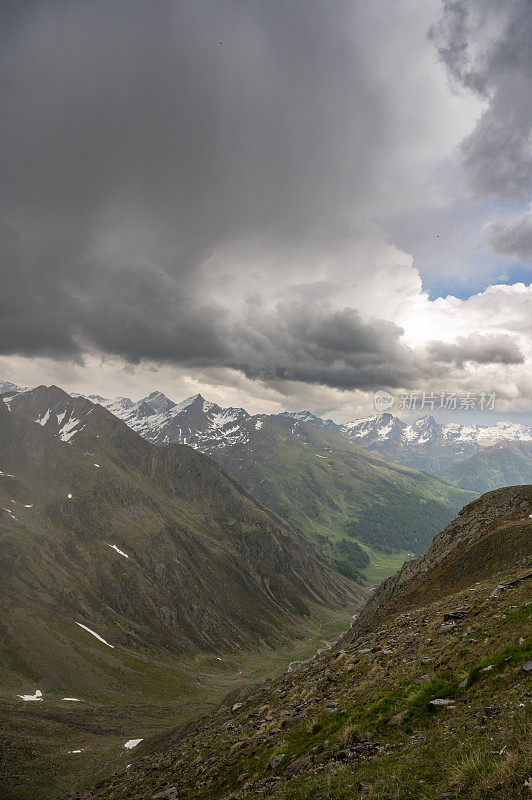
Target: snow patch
[69, 429]
[382, 433]
[93, 633]
[258, 424]
[45, 417]
[131, 743]
[121, 552]
[71, 699]
[28, 698]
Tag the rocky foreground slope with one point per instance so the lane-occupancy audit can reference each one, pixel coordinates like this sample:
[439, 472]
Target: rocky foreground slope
[426, 697]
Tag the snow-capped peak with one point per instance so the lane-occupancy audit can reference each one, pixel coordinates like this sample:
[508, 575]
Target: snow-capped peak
[158, 401]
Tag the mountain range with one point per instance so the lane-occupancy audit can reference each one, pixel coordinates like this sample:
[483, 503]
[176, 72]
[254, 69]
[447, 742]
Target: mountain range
[196, 422]
[73, 473]
[423, 444]
[139, 583]
[327, 490]
[345, 487]
[353, 505]
[427, 444]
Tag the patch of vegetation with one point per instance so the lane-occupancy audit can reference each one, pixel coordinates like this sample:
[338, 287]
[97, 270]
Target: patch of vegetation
[333, 491]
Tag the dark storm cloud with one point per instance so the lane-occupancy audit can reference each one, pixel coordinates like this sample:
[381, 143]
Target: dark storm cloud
[138, 137]
[486, 46]
[141, 139]
[479, 349]
[513, 240]
[334, 348]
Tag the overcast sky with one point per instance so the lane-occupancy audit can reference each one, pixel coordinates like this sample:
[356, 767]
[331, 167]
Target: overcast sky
[278, 203]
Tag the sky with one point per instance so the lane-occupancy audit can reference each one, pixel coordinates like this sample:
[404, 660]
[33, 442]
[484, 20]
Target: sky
[281, 204]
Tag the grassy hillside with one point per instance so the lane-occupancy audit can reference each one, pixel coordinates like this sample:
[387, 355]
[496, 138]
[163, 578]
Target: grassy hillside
[339, 495]
[505, 464]
[430, 699]
[193, 585]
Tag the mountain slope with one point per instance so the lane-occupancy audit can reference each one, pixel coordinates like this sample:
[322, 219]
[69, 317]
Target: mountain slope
[335, 492]
[191, 532]
[490, 535]
[305, 470]
[424, 698]
[505, 464]
[141, 581]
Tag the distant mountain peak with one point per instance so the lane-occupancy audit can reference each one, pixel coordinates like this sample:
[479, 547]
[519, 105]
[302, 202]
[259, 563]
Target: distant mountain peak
[428, 419]
[195, 400]
[158, 402]
[49, 406]
[7, 386]
[55, 393]
[194, 421]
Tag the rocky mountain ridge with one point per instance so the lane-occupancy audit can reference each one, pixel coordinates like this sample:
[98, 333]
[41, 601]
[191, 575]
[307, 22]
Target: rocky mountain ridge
[423, 444]
[459, 543]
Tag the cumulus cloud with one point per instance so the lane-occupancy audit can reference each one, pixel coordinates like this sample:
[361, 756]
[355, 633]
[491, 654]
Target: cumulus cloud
[332, 347]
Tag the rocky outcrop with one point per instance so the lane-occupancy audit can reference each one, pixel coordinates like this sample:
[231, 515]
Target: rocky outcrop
[478, 520]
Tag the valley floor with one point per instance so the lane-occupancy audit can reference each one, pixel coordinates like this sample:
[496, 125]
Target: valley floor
[39, 739]
[383, 564]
